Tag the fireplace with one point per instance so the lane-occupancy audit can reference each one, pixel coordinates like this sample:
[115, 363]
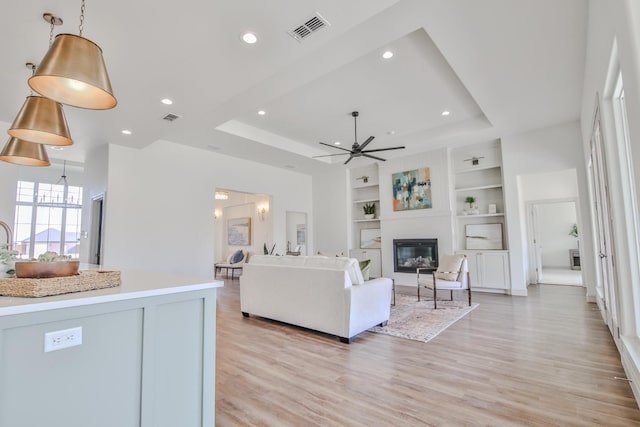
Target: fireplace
[409, 254]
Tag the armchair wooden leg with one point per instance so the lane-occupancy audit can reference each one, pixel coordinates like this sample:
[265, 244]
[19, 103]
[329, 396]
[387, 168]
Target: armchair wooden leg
[469, 297]
[451, 295]
[418, 292]
[435, 297]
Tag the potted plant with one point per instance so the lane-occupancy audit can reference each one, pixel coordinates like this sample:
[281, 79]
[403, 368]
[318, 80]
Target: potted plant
[471, 202]
[574, 232]
[8, 259]
[369, 210]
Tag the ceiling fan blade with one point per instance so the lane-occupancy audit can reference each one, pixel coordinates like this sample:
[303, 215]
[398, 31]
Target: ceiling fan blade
[385, 149]
[374, 157]
[335, 146]
[349, 159]
[364, 144]
[330, 155]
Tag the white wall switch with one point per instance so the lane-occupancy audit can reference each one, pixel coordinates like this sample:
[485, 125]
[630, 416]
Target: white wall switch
[57, 340]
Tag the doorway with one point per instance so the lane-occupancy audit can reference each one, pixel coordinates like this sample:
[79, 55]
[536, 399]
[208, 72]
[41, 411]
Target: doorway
[97, 227]
[296, 233]
[555, 245]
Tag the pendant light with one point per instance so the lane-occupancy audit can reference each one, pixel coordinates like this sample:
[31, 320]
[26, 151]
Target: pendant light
[24, 153]
[41, 120]
[73, 72]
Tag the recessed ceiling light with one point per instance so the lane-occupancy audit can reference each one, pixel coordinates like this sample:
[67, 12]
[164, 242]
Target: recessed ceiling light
[56, 147]
[249, 38]
[262, 112]
[445, 113]
[167, 101]
[126, 132]
[336, 143]
[391, 132]
[387, 55]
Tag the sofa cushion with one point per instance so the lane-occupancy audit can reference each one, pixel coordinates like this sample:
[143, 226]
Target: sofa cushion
[237, 256]
[449, 267]
[364, 268]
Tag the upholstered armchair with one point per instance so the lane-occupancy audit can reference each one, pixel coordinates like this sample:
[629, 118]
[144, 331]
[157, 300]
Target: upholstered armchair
[452, 275]
[234, 261]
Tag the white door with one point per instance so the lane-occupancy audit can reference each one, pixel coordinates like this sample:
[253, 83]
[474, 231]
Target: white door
[606, 286]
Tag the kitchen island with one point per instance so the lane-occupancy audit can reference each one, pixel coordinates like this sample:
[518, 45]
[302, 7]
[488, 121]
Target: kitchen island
[140, 354]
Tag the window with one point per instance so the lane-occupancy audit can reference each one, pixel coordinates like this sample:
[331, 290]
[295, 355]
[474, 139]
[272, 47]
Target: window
[47, 218]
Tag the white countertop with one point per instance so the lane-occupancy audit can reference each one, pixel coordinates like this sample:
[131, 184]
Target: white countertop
[135, 284]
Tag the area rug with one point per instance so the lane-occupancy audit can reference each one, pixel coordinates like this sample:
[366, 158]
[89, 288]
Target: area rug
[418, 321]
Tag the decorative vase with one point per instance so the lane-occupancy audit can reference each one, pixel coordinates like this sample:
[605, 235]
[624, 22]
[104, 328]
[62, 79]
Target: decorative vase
[369, 216]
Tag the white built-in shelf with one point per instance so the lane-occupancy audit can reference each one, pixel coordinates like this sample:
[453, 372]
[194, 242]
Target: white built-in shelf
[481, 187]
[366, 201]
[367, 185]
[480, 215]
[478, 168]
[367, 220]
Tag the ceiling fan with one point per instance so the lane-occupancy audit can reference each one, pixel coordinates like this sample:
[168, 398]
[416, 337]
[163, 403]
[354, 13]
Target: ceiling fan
[357, 150]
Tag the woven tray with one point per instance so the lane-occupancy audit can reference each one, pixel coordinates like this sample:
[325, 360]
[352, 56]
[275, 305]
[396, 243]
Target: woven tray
[84, 281]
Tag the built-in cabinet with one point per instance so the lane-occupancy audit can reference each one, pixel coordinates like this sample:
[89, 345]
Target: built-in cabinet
[477, 174]
[365, 235]
[488, 269]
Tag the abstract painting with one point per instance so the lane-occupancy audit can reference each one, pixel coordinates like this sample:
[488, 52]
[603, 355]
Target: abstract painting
[239, 231]
[412, 190]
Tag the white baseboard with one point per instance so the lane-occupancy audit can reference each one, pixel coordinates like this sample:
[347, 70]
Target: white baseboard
[631, 363]
[519, 292]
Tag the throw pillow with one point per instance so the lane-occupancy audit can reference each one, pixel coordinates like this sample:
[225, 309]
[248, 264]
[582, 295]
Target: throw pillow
[237, 256]
[364, 267]
[449, 267]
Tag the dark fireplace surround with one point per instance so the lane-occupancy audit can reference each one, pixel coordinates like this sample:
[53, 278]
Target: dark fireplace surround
[409, 254]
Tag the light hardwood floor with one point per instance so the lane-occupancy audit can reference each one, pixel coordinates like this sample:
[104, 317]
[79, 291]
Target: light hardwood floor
[543, 360]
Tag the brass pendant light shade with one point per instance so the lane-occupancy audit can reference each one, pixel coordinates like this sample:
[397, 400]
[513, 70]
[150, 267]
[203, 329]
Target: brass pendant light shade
[24, 153]
[41, 120]
[73, 72]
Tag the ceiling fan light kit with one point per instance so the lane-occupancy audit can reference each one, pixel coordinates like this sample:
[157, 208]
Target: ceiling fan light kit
[358, 150]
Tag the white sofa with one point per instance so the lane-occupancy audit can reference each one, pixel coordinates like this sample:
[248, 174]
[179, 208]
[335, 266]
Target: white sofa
[320, 293]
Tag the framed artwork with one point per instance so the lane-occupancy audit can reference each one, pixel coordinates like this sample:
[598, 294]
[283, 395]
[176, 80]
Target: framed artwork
[412, 189]
[239, 231]
[370, 238]
[301, 234]
[484, 236]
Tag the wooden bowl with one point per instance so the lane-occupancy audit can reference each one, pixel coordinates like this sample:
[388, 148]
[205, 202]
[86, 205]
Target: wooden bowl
[40, 270]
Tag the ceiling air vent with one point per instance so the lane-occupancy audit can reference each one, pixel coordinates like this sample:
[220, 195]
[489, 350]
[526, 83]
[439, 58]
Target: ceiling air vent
[310, 26]
[171, 117]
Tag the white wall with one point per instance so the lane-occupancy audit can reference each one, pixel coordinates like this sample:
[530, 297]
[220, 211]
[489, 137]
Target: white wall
[556, 220]
[551, 149]
[420, 223]
[161, 203]
[330, 214]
